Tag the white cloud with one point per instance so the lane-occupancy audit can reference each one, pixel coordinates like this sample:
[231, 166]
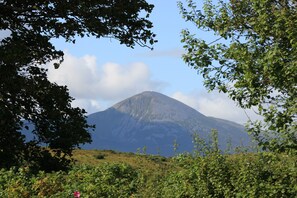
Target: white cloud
[91, 84]
[90, 106]
[216, 105]
[79, 74]
[120, 81]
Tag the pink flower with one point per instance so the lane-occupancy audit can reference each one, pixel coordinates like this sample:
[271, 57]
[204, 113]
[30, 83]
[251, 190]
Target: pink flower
[76, 194]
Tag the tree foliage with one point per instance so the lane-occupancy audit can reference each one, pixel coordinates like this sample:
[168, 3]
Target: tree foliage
[253, 59]
[27, 96]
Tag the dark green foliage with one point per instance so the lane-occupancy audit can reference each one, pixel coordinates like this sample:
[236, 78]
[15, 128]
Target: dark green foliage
[109, 180]
[68, 19]
[253, 59]
[26, 95]
[244, 175]
[157, 158]
[213, 175]
[100, 156]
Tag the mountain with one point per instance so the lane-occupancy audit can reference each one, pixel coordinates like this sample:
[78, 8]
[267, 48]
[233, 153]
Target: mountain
[155, 121]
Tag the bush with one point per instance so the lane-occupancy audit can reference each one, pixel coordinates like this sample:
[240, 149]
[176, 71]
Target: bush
[212, 175]
[100, 156]
[108, 180]
[244, 175]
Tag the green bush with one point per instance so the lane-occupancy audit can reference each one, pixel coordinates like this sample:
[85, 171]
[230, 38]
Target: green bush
[108, 180]
[245, 175]
[211, 175]
[100, 156]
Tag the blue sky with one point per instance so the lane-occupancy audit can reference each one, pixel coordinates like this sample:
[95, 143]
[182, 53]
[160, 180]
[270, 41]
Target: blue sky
[101, 72]
[164, 62]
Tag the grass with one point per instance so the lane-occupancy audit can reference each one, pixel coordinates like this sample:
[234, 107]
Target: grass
[144, 162]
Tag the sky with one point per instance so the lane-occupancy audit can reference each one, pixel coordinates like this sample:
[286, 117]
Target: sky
[101, 72]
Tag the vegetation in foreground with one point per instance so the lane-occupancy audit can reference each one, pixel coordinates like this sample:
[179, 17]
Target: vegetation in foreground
[112, 174]
[28, 100]
[260, 61]
[252, 59]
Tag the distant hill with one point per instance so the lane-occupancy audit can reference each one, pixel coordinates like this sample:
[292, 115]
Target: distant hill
[155, 121]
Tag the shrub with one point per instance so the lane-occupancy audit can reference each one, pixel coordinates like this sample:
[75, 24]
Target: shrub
[100, 156]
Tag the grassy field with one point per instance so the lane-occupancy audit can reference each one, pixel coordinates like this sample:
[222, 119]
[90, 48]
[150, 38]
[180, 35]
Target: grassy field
[95, 157]
[148, 163]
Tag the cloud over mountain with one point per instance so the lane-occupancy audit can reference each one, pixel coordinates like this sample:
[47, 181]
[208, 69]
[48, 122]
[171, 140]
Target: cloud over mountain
[96, 86]
[216, 104]
[89, 82]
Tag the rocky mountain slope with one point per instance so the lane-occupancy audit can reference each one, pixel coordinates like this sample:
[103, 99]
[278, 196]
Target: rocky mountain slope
[154, 121]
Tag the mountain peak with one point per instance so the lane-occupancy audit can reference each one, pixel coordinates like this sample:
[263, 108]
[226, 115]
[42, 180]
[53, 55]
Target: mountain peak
[154, 106]
[155, 120]
[150, 93]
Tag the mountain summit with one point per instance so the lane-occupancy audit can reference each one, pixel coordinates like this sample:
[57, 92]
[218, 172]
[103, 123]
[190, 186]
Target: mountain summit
[155, 107]
[156, 121]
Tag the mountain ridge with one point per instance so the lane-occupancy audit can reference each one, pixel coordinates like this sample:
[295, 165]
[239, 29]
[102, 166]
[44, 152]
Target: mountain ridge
[153, 120]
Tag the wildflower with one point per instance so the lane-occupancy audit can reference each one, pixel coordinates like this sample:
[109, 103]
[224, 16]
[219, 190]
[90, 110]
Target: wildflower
[76, 194]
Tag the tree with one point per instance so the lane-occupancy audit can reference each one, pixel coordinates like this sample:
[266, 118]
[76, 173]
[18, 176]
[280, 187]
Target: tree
[253, 60]
[27, 96]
